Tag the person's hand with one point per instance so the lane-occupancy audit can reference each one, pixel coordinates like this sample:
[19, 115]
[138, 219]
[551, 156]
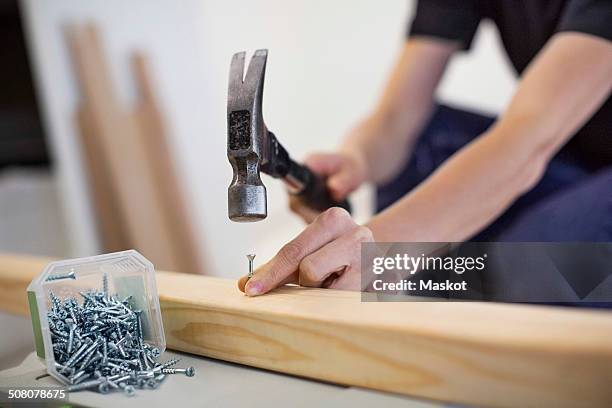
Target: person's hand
[344, 173]
[326, 254]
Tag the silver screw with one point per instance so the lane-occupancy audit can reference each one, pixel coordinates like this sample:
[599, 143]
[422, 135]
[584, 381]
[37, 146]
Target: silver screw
[69, 275]
[250, 258]
[72, 360]
[104, 351]
[86, 384]
[189, 371]
[57, 303]
[104, 388]
[71, 327]
[99, 344]
[105, 284]
[127, 389]
[87, 359]
[167, 364]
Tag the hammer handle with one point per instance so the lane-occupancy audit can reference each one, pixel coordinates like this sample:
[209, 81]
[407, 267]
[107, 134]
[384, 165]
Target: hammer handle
[302, 181]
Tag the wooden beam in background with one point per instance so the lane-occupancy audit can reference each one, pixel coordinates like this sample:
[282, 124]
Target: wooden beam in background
[133, 178]
[155, 141]
[498, 355]
[109, 219]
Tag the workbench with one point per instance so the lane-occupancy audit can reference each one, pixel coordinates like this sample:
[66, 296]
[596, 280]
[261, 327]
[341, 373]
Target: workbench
[216, 383]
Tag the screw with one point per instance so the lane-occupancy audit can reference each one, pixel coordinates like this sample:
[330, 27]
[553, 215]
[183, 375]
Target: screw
[69, 275]
[105, 284]
[145, 374]
[51, 323]
[167, 364]
[123, 378]
[145, 359]
[86, 384]
[104, 388]
[87, 359]
[127, 389]
[250, 258]
[57, 303]
[140, 382]
[121, 350]
[189, 371]
[112, 383]
[72, 360]
[61, 368]
[104, 351]
[99, 344]
[71, 326]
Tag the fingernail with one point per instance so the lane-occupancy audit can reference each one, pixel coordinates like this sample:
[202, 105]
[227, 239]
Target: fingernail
[254, 288]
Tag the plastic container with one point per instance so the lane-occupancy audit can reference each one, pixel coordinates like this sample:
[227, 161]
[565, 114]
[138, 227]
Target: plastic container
[129, 273]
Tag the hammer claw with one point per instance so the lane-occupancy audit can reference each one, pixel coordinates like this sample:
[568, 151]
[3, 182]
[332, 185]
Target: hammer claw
[235, 94]
[245, 91]
[256, 71]
[237, 68]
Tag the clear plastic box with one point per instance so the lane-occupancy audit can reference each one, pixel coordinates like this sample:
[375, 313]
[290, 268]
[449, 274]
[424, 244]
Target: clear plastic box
[129, 273]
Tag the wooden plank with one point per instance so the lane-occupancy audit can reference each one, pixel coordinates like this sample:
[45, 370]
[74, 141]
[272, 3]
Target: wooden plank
[117, 137]
[16, 273]
[499, 355]
[154, 140]
[112, 230]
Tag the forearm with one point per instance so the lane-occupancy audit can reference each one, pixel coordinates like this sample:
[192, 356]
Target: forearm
[465, 194]
[384, 145]
[384, 138]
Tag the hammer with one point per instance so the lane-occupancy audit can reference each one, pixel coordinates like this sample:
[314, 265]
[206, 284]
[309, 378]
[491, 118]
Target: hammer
[252, 148]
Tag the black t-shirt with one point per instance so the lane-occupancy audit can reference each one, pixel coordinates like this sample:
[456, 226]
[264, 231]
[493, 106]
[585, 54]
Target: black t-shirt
[525, 26]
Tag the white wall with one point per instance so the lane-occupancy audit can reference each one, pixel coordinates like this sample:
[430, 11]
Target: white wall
[327, 63]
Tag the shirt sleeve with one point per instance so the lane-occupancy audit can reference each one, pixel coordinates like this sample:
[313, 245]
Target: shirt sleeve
[446, 19]
[588, 16]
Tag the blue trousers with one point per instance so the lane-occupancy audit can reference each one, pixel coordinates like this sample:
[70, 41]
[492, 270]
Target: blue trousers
[570, 202]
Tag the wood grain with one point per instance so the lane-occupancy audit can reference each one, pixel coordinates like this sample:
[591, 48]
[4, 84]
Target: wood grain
[497, 355]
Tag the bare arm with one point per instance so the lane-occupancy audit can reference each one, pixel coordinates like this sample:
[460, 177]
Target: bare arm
[562, 88]
[383, 139]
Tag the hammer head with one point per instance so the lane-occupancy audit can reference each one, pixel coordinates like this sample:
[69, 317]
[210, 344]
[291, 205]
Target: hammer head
[246, 138]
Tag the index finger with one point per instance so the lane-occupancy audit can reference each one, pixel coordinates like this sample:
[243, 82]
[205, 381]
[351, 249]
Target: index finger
[325, 228]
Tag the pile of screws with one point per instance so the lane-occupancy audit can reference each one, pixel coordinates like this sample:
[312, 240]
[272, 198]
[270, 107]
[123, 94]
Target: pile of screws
[99, 344]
